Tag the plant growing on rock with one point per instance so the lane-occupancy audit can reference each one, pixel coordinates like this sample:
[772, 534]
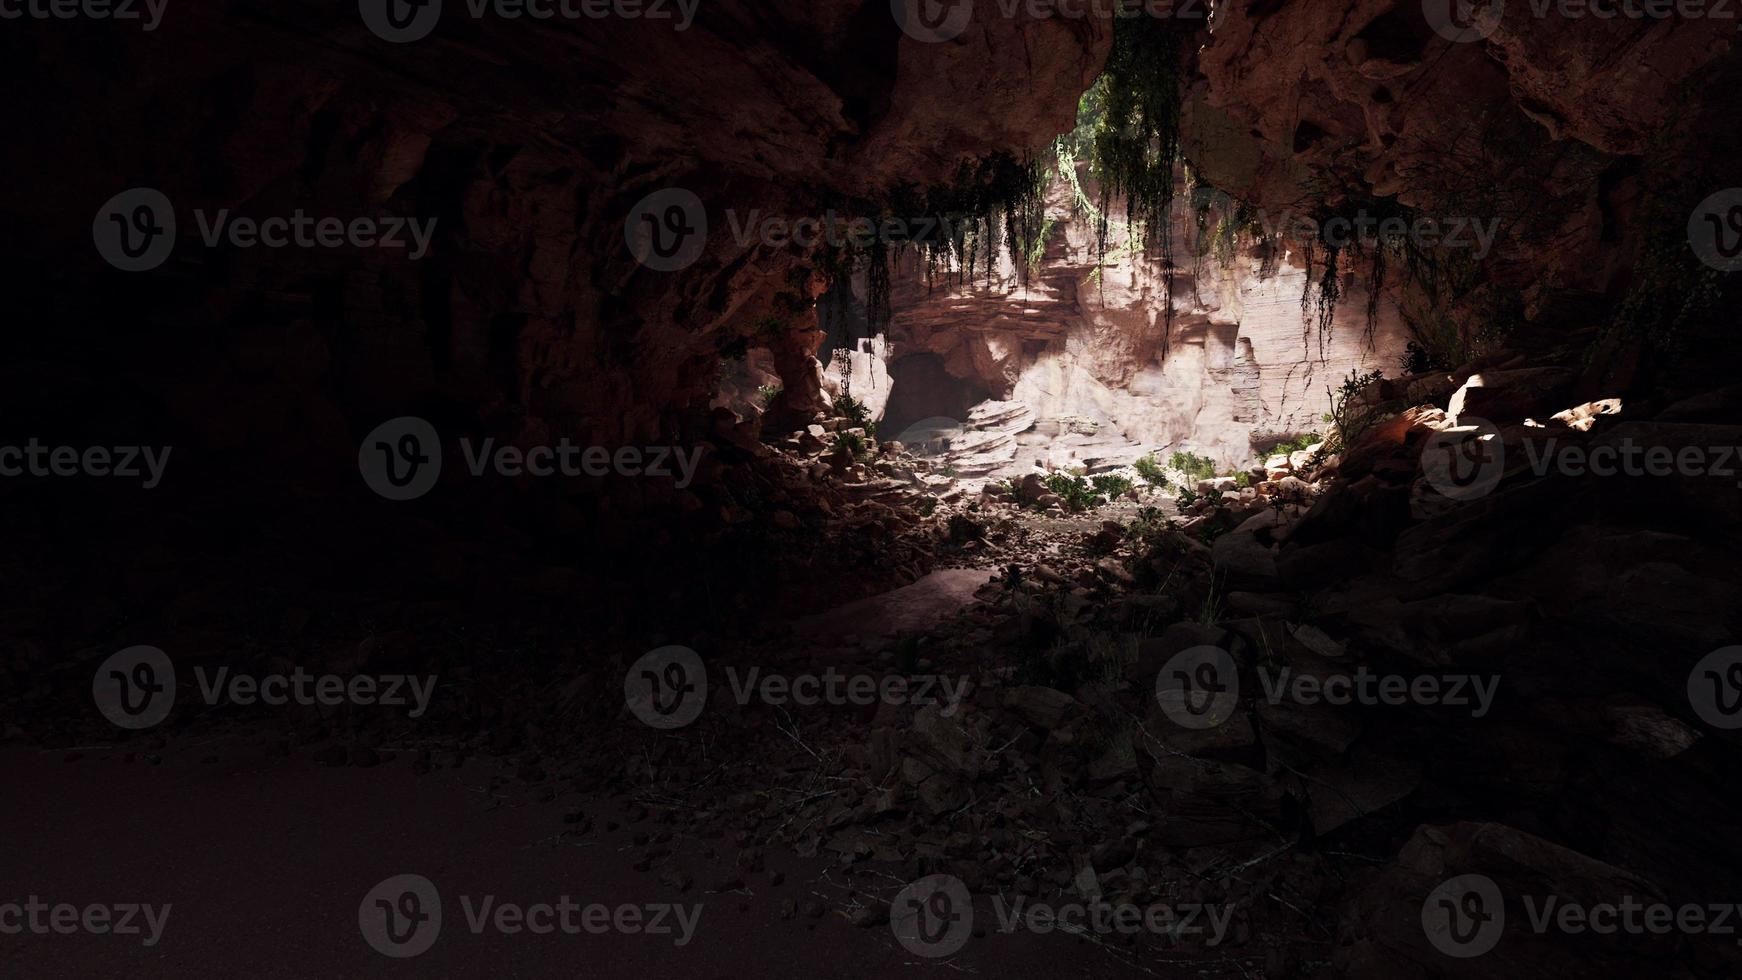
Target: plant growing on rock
[1112, 485]
[851, 444]
[1297, 444]
[1353, 410]
[1076, 492]
[1192, 465]
[1150, 470]
[855, 411]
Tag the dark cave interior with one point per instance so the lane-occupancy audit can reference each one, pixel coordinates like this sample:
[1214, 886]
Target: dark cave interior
[1254, 481]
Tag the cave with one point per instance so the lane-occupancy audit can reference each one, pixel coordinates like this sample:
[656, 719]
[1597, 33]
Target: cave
[922, 388]
[710, 489]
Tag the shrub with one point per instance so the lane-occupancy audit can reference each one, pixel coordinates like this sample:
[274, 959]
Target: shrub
[1076, 491]
[1296, 444]
[769, 393]
[1351, 416]
[854, 446]
[1151, 472]
[854, 410]
[1112, 485]
[1192, 465]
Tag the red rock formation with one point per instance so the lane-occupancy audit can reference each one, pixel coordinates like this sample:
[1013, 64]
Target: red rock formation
[529, 142]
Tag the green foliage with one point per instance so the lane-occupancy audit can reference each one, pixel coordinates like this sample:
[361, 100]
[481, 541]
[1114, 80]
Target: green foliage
[1298, 443]
[768, 394]
[1187, 498]
[1036, 250]
[1136, 139]
[852, 444]
[1353, 412]
[1440, 342]
[1075, 491]
[1151, 471]
[847, 407]
[1242, 479]
[1192, 465]
[1112, 485]
[956, 227]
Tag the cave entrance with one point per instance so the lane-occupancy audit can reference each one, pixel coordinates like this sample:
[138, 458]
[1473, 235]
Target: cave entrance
[921, 388]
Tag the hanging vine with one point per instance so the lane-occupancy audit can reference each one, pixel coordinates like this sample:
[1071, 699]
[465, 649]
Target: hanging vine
[1136, 141]
[955, 228]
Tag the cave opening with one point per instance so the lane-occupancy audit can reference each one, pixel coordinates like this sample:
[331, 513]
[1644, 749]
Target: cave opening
[1238, 489]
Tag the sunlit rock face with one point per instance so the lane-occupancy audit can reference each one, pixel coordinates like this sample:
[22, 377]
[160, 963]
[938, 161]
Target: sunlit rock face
[1084, 343]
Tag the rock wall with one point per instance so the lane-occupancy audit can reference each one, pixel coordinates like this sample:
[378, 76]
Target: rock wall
[1588, 138]
[1083, 342]
[529, 143]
